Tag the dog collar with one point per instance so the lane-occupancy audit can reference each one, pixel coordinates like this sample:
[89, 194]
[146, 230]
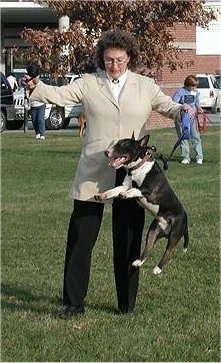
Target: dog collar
[147, 157]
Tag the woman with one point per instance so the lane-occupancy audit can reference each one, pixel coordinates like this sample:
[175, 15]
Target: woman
[117, 102]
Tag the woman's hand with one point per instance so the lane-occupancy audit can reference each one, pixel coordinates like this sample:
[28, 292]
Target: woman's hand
[30, 82]
[191, 110]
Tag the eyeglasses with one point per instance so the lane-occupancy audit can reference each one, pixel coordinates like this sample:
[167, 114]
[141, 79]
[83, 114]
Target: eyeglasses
[30, 79]
[119, 61]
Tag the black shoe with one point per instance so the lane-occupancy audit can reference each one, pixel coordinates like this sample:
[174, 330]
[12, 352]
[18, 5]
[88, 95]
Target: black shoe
[69, 311]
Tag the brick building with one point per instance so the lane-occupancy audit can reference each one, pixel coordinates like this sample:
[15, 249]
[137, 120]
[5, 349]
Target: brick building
[185, 38]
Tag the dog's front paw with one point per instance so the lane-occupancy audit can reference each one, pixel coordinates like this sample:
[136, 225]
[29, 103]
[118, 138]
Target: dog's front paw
[123, 195]
[131, 193]
[100, 197]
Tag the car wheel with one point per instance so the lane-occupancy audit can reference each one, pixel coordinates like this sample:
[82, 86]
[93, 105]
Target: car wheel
[56, 119]
[214, 108]
[14, 125]
[3, 121]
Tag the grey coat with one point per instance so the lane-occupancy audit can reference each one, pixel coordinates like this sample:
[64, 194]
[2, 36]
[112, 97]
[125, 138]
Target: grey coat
[107, 120]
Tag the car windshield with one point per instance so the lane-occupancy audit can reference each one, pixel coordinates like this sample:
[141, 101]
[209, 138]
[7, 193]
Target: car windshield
[203, 82]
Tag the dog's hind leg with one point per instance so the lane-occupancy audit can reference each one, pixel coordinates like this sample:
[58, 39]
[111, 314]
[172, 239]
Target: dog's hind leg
[166, 256]
[179, 228]
[175, 235]
[154, 233]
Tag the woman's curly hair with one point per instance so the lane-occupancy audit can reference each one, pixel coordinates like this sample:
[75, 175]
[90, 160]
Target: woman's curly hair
[117, 39]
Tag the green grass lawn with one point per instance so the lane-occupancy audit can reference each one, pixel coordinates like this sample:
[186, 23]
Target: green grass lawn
[177, 313]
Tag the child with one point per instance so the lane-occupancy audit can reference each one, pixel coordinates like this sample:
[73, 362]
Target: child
[188, 94]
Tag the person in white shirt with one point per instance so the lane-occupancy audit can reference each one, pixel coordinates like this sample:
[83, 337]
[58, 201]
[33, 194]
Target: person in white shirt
[37, 108]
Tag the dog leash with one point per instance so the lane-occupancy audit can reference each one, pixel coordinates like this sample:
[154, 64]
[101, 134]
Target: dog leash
[203, 124]
[164, 160]
[185, 124]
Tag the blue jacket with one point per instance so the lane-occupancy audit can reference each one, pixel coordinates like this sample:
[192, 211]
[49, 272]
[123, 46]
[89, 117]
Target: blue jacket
[183, 95]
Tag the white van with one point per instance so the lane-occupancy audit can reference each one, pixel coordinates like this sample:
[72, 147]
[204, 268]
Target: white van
[208, 89]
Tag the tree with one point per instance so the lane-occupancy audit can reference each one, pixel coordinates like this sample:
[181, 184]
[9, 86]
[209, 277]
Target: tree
[150, 21]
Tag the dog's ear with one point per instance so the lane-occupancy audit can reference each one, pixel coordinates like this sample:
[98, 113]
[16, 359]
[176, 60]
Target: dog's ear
[144, 140]
[133, 137]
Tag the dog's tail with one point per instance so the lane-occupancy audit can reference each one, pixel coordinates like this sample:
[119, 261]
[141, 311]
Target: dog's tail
[186, 239]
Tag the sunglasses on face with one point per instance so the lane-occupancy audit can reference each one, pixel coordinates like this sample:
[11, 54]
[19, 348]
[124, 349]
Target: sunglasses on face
[30, 79]
[25, 81]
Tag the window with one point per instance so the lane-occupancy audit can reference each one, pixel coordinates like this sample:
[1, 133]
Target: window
[203, 82]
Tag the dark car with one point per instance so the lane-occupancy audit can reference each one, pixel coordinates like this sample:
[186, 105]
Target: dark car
[6, 100]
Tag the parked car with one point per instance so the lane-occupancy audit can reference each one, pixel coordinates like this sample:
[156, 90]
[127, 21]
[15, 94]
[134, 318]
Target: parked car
[218, 80]
[8, 118]
[208, 91]
[55, 117]
[19, 73]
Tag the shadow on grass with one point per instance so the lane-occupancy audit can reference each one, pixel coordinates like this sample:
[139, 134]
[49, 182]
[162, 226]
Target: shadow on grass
[105, 308]
[16, 298]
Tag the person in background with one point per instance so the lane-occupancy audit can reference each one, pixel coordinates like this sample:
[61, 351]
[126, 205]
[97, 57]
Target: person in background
[188, 94]
[37, 107]
[117, 103]
[12, 81]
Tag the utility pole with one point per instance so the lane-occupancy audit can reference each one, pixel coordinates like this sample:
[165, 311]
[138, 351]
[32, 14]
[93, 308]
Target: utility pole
[63, 26]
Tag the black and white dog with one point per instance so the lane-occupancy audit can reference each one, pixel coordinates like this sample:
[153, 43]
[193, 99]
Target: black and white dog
[146, 182]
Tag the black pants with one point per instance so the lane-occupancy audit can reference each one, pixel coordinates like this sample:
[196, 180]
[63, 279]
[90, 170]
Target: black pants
[85, 222]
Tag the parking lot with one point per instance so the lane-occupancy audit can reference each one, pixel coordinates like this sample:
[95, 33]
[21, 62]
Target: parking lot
[212, 119]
